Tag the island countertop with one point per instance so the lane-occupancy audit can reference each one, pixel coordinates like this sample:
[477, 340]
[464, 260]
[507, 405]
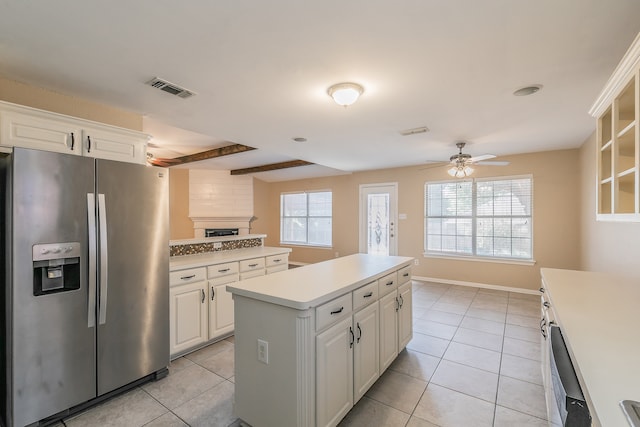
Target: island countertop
[599, 317]
[312, 285]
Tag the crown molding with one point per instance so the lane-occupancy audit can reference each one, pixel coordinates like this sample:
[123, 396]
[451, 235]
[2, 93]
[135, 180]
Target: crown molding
[619, 79]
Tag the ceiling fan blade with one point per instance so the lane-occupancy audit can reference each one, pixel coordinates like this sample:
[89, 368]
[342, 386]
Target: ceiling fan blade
[481, 158]
[493, 163]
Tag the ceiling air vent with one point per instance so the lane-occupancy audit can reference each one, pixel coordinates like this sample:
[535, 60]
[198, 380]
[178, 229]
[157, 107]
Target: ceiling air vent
[171, 88]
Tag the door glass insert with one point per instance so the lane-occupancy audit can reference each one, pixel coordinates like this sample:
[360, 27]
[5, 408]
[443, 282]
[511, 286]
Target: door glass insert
[378, 224]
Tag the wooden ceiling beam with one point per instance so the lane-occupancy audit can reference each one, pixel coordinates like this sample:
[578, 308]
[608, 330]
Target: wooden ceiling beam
[211, 154]
[271, 167]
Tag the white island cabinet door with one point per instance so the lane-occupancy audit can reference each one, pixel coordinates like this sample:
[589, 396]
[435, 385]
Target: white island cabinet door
[405, 316]
[188, 316]
[388, 330]
[334, 373]
[366, 353]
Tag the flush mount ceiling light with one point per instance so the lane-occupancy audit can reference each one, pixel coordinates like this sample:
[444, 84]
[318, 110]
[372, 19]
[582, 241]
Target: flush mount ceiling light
[527, 90]
[345, 94]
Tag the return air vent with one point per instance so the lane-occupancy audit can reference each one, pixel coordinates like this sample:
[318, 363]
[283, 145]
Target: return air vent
[171, 88]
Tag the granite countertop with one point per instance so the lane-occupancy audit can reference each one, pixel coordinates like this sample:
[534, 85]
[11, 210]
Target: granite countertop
[202, 260]
[314, 284]
[598, 315]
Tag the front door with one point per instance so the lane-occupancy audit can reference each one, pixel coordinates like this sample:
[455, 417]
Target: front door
[378, 218]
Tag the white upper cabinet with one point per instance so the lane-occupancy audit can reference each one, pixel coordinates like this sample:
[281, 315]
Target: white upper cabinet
[42, 130]
[617, 111]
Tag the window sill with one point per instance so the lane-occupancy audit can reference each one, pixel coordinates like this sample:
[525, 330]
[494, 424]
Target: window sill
[303, 245]
[482, 259]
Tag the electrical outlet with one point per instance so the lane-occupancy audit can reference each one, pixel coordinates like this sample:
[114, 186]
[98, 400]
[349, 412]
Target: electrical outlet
[416, 261]
[217, 245]
[263, 352]
[337, 254]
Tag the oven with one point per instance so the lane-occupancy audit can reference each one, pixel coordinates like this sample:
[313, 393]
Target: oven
[566, 405]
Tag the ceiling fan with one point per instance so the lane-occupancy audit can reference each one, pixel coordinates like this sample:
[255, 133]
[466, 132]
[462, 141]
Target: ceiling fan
[461, 162]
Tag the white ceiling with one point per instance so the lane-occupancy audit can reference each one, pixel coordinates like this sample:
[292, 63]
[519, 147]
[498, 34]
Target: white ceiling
[261, 70]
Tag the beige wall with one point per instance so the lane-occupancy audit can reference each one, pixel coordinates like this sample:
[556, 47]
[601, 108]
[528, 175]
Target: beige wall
[20, 93]
[181, 226]
[556, 220]
[612, 247]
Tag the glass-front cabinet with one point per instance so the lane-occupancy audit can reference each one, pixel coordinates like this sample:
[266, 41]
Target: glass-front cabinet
[618, 142]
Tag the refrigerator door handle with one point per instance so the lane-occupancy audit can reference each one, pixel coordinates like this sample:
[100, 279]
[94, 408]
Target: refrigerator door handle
[91, 222]
[102, 217]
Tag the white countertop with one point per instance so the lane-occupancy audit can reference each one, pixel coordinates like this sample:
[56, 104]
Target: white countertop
[201, 260]
[599, 316]
[312, 285]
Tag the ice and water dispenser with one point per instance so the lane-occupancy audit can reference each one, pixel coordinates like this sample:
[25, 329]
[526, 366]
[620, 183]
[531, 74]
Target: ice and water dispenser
[56, 267]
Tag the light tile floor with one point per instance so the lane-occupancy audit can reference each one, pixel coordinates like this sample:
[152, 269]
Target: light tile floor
[474, 361]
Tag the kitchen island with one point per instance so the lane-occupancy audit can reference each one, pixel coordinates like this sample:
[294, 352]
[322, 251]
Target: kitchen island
[599, 317]
[310, 341]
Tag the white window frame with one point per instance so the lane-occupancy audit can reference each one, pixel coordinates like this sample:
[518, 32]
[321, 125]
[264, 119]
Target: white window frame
[474, 217]
[306, 243]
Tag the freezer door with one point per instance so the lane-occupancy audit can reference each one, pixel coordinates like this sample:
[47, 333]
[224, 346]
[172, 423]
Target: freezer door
[51, 344]
[133, 308]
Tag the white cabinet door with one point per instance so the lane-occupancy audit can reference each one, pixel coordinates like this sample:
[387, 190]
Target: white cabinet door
[388, 330]
[405, 315]
[22, 130]
[366, 352]
[220, 309]
[334, 373]
[188, 316]
[114, 145]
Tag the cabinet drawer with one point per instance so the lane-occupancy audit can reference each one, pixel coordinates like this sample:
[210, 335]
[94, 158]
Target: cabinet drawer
[223, 280]
[250, 274]
[281, 267]
[182, 277]
[333, 311]
[404, 275]
[276, 260]
[251, 264]
[387, 283]
[365, 295]
[220, 270]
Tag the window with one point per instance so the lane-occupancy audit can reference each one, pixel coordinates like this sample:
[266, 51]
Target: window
[480, 218]
[306, 218]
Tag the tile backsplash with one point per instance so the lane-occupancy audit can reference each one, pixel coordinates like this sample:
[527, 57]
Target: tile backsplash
[206, 247]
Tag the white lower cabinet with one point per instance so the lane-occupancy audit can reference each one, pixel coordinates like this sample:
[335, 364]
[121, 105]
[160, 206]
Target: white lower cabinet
[220, 307]
[188, 315]
[346, 364]
[396, 323]
[405, 315]
[334, 373]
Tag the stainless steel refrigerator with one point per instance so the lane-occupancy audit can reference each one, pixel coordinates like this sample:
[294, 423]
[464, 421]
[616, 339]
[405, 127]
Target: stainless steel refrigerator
[85, 280]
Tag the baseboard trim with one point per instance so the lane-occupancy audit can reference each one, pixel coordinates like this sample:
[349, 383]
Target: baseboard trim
[476, 285]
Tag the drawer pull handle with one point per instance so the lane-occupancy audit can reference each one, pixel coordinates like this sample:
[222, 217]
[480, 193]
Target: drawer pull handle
[188, 277]
[337, 311]
[253, 265]
[405, 275]
[88, 144]
[352, 337]
[213, 293]
[359, 333]
[390, 283]
[369, 295]
[224, 270]
[277, 260]
[546, 304]
[542, 290]
[203, 295]
[73, 141]
[401, 301]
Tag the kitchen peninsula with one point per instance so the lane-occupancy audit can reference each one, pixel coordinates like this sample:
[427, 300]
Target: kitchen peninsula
[310, 341]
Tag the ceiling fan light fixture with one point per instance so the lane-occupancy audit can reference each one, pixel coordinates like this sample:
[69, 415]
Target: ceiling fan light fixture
[345, 94]
[460, 171]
